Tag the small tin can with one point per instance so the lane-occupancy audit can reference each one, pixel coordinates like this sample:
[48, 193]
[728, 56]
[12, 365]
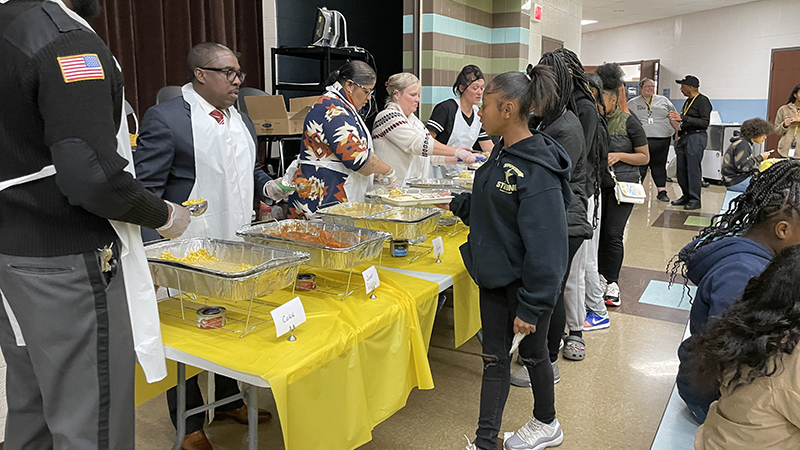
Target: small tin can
[399, 248]
[306, 281]
[211, 317]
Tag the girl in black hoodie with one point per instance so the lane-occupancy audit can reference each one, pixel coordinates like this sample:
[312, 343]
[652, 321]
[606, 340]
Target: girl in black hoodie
[517, 251]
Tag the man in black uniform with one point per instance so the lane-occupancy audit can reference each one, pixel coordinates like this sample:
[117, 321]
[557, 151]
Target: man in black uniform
[692, 139]
[64, 327]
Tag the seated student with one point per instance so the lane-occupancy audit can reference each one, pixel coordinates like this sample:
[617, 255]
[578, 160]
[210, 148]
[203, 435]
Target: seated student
[752, 352]
[739, 161]
[760, 223]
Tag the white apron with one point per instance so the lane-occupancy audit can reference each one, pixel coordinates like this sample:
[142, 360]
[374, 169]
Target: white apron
[356, 185]
[142, 306]
[462, 136]
[225, 178]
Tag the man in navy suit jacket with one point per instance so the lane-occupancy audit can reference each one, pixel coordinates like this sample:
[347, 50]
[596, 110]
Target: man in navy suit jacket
[165, 164]
[164, 155]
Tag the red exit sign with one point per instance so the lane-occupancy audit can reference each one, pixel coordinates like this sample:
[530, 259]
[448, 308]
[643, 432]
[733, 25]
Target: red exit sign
[537, 13]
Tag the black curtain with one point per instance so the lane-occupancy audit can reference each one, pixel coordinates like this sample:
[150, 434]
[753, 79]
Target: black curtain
[151, 39]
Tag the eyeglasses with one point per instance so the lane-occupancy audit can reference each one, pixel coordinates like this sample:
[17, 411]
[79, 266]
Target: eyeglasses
[369, 92]
[230, 74]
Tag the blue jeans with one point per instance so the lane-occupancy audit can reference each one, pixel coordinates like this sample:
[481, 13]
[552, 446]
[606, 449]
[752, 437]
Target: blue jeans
[742, 186]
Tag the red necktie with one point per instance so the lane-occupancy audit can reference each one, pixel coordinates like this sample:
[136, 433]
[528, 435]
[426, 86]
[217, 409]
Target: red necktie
[217, 114]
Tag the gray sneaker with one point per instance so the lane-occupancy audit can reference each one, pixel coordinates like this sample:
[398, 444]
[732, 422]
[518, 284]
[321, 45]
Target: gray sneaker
[535, 435]
[556, 373]
[520, 378]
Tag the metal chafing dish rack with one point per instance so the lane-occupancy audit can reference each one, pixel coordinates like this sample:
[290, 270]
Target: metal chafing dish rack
[273, 269]
[402, 223]
[362, 244]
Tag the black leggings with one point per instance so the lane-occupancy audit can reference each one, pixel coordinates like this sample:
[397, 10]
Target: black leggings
[610, 249]
[498, 311]
[559, 318]
[659, 149]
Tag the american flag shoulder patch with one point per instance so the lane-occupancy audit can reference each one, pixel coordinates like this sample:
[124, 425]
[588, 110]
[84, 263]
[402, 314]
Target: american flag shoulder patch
[81, 68]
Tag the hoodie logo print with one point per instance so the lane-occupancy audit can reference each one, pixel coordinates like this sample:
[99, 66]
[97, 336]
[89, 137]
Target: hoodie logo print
[510, 171]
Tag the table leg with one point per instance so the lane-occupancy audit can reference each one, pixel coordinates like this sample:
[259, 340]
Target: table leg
[181, 432]
[252, 417]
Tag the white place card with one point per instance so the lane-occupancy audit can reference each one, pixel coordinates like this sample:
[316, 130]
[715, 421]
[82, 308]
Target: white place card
[290, 314]
[438, 247]
[371, 280]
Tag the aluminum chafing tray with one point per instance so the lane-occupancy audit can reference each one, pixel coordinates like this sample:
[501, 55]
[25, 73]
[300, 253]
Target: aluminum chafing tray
[351, 213]
[274, 269]
[362, 244]
[430, 183]
[402, 223]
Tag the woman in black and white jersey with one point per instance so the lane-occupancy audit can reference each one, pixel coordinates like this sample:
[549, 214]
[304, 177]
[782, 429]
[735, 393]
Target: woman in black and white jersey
[455, 121]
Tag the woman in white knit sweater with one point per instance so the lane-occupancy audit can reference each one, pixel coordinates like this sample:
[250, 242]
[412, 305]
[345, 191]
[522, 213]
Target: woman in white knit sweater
[401, 140]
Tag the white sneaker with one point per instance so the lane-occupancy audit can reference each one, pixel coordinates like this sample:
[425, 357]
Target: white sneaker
[535, 435]
[612, 295]
[470, 445]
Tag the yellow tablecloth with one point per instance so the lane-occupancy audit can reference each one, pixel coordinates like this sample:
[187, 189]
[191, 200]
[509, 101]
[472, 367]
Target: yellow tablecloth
[466, 305]
[353, 365]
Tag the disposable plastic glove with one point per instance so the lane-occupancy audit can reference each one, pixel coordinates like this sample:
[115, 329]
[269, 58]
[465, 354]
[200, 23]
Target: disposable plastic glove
[178, 222]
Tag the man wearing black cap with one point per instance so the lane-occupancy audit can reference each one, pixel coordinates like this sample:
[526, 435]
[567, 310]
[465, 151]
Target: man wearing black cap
[692, 139]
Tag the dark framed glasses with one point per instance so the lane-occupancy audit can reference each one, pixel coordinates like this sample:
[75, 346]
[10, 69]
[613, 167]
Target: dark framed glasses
[369, 92]
[230, 74]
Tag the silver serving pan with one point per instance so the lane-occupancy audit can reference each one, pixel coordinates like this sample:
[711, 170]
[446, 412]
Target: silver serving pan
[363, 245]
[430, 183]
[353, 214]
[406, 223]
[402, 223]
[274, 269]
[448, 184]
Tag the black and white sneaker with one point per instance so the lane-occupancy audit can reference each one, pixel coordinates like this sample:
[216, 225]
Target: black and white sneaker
[612, 295]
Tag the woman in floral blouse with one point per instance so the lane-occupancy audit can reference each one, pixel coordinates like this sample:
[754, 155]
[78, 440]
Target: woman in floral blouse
[337, 162]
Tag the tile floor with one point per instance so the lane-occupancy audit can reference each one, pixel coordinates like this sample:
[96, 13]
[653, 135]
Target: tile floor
[614, 399]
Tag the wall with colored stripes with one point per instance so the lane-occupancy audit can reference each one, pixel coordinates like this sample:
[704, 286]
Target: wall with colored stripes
[492, 34]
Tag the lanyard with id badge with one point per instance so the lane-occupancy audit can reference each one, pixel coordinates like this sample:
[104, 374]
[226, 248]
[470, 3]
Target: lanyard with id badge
[649, 109]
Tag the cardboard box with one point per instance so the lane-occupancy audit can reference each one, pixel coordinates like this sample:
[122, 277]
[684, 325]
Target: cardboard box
[270, 117]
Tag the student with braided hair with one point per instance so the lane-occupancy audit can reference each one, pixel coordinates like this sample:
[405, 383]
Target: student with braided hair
[585, 285]
[759, 224]
[566, 129]
[627, 151]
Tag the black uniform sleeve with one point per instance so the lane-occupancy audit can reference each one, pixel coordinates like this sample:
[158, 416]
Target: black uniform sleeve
[635, 131]
[81, 121]
[699, 115]
[482, 136]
